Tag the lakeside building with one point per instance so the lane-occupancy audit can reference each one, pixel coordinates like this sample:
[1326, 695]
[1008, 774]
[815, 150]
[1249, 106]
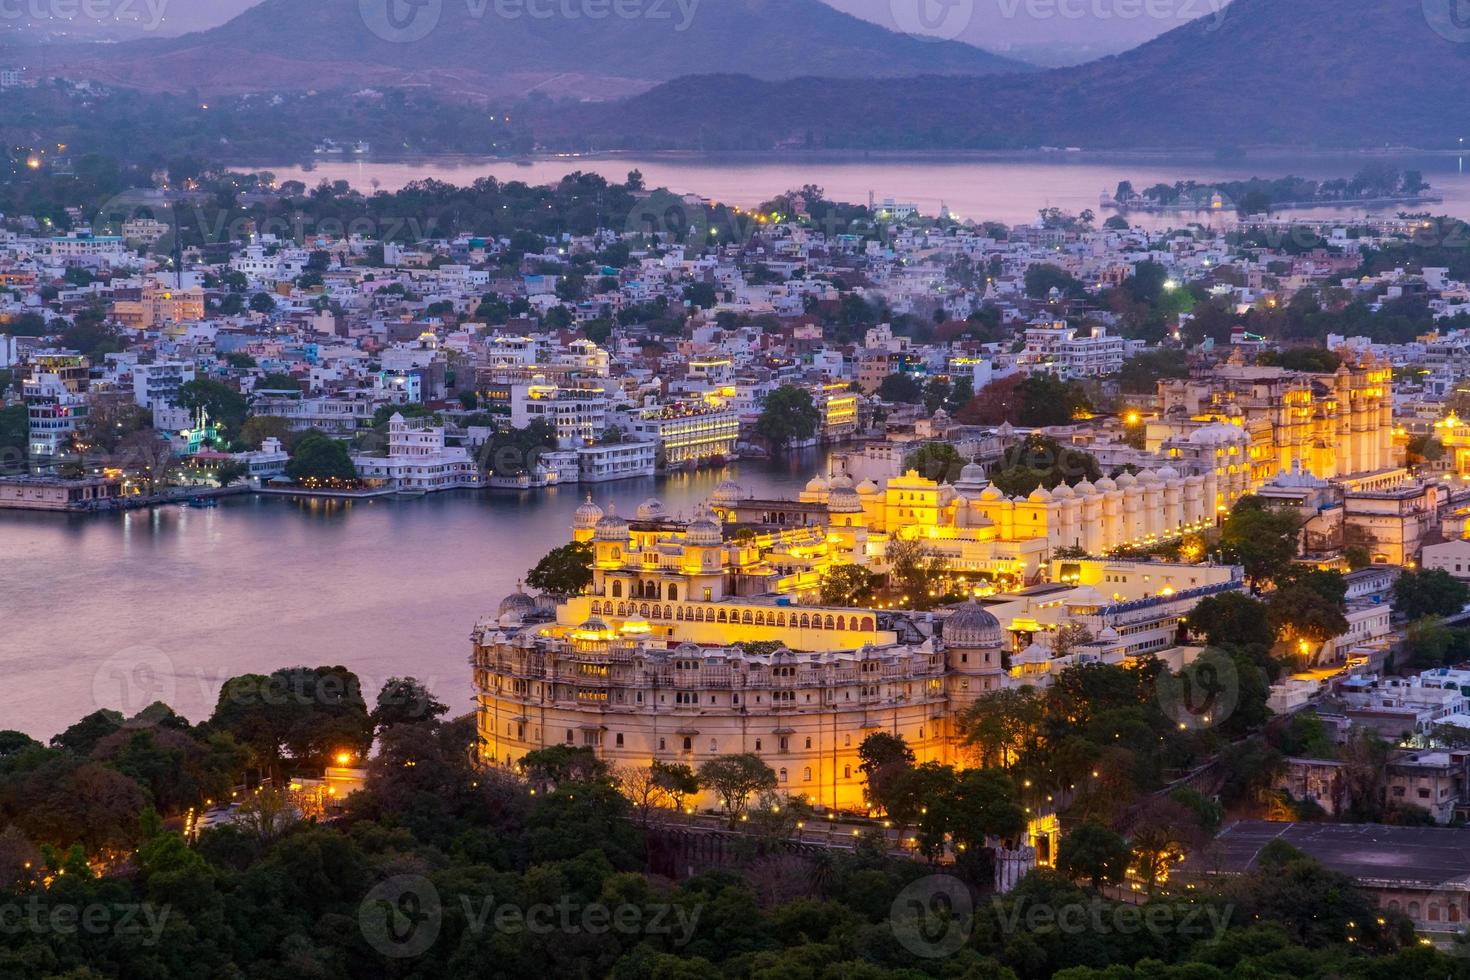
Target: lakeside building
[57, 493]
[417, 459]
[688, 431]
[56, 400]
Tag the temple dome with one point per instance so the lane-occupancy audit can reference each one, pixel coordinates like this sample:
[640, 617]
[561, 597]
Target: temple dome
[816, 485]
[651, 509]
[844, 500]
[971, 626]
[867, 487]
[703, 531]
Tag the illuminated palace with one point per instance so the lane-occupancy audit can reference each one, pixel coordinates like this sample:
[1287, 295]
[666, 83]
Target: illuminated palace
[974, 528]
[1333, 426]
[672, 655]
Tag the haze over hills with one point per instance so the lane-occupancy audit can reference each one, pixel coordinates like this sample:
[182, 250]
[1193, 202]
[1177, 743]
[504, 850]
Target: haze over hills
[1294, 73]
[488, 47]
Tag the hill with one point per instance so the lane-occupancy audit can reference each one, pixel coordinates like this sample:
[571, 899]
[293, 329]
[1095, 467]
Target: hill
[498, 48]
[1295, 73]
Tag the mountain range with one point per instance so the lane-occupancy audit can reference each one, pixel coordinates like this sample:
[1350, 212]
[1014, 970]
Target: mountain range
[1284, 73]
[503, 49]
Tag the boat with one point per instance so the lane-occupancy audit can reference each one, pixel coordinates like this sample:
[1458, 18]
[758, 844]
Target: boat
[410, 492]
[203, 502]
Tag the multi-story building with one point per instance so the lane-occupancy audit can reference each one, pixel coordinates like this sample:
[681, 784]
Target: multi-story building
[689, 431]
[577, 415]
[417, 459]
[334, 414]
[155, 305]
[1060, 348]
[1330, 425]
[56, 400]
[156, 387]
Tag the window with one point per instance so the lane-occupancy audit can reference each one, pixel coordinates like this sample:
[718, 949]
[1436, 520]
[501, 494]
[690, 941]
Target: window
[618, 740]
[806, 774]
[617, 589]
[757, 745]
[661, 745]
[808, 743]
[781, 775]
[688, 744]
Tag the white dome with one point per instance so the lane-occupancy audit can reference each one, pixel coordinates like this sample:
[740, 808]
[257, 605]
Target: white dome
[1216, 433]
[867, 487]
[651, 509]
[1085, 488]
[844, 500]
[971, 626]
[1063, 492]
[1106, 485]
[587, 515]
[972, 473]
[991, 492]
[728, 492]
[1039, 496]
[1126, 480]
[611, 527]
[816, 485]
[1168, 473]
[840, 482]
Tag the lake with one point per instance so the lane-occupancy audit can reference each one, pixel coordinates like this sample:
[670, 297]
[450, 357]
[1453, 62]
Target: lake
[982, 187]
[118, 610]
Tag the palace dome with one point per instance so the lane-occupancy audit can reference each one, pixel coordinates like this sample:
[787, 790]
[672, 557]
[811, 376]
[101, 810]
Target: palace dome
[651, 509]
[587, 515]
[816, 485]
[844, 500]
[611, 527]
[971, 626]
[517, 603]
[703, 531]
[728, 492]
[867, 487]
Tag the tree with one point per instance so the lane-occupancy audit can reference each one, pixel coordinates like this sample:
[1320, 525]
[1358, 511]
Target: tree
[230, 471]
[885, 758]
[789, 415]
[1260, 538]
[147, 457]
[938, 461]
[1001, 723]
[1041, 279]
[1428, 592]
[911, 569]
[262, 303]
[558, 764]
[225, 406]
[1041, 461]
[1095, 853]
[258, 428]
[677, 780]
[734, 778]
[310, 714]
[405, 701]
[900, 387]
[563, 571]
[846, 584]
[1232, 618]
[319, 458]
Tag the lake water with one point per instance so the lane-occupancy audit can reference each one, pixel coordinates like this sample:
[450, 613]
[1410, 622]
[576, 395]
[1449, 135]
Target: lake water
[119, 610]
[982, 187]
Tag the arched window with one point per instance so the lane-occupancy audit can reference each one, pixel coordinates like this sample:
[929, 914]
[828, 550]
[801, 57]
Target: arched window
[746, 618]
[721, 616]
[622, 609]
[781, 775]
[806, 774]
[668, 612]
[679, 613]
[673, 592]
[617, 589]
[643, 610]
[805, 621]
[867, 622]
[829, 622]
[760, 618]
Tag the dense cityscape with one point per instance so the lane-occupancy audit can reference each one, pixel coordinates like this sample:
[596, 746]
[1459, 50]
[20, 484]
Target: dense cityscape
[897, 593]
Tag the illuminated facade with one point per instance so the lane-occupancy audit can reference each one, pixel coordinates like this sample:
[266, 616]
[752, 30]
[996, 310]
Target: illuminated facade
[662, 659]
[1331, 425]
[689, 432]
[157, 305]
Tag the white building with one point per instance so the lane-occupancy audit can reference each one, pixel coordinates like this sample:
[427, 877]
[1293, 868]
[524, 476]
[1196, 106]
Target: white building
[577, 415]
[1452, 557]
[417, 459]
